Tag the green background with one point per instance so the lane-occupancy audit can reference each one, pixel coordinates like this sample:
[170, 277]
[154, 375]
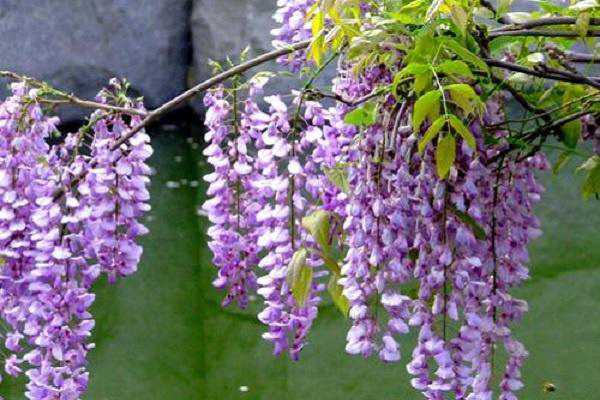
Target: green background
[161, 334]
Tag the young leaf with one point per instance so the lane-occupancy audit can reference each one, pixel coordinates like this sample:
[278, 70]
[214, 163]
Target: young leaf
[413, 69]
[445, 154]
[317, 47]
[591, 186]
[571, 132]
[465, 54]
[455, 67]
[337, 295]
[338, 175]
[431, 133]
[464, 96]
[423, 82]
[421, 73]
[563, 159]
[462, 130]
[426, 106]
[362, 116]
[299, 276]
[477, 230]
[589, 164]
[317, 224]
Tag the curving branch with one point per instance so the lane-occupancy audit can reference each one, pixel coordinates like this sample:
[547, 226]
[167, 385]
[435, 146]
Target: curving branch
[541, 33]
[545, 73]
[215, 80]
[66, 98]
[582, 57]
[187, 95]
[541, 22]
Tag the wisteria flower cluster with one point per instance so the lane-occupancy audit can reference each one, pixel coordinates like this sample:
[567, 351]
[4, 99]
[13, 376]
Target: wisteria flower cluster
[358, 192]
[69, 213]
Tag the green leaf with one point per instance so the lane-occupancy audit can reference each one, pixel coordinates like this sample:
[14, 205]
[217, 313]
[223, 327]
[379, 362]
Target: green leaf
[299, 276]
[421, 73]
[413, 69]
[464, 96]
[563, 159]
[423, 82]
[445, 154]
[317, 47]
[363, 116]
[338, 175]
[465, 54]
[571, 132]
[317, 224]
[432, 132]
[336, 292]
[462, 130]
[591, 186]
[590, 164]
[455, 67]
[477, 230]
[427, 106]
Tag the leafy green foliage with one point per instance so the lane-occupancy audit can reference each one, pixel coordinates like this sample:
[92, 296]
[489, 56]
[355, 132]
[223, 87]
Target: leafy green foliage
[443, 71]
[317, 224]
[477, 229]
[571, 133]
[426, 107]
[338, 175]
[462, 130]
[591, 185]
[362, 116]
[336, 292]
[299, 277]
[445, 155]
[432, 132]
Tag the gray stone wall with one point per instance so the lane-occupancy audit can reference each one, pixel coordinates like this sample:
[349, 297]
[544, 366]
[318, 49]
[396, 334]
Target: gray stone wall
[79, 44]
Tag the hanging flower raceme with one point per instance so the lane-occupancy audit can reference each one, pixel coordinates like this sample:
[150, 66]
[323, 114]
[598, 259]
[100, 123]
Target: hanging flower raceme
[461, 240]
[47, 266]
[114, 195]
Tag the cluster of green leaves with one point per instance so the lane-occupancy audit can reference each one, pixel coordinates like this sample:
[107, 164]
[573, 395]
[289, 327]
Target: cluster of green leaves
[327, 248]
[437, 51]
[435, 48]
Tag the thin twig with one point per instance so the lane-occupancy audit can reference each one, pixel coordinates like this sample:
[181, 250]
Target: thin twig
[168, 106]
[543, 131]
[552, 74]
[544, 33]
[65, 98]
[539, 22]
[582, 57]
[350, 103]
[215, 80]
